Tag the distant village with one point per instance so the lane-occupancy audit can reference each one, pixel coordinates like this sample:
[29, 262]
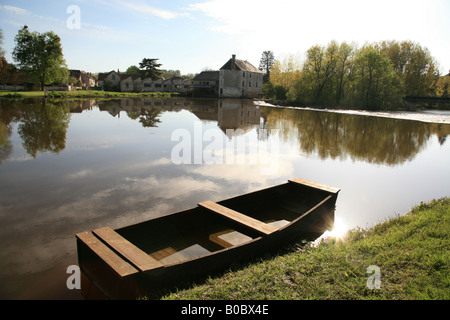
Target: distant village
[235, 79]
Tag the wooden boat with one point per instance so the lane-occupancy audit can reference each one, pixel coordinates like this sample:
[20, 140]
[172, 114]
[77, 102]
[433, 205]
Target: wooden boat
[201, 241]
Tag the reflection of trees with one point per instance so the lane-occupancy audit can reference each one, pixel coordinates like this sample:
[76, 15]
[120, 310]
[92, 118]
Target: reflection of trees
[334, 135]
[149, 117]
[5, 143]
[43, 128]
[8, 113]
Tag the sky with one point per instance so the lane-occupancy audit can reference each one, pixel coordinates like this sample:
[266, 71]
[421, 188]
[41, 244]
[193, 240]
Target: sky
[194, 35]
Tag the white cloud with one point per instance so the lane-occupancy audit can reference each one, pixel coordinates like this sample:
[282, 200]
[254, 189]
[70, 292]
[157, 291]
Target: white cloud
[146, 9]
[80, 174]
[245, 171]
[142, 8]
[15, 10]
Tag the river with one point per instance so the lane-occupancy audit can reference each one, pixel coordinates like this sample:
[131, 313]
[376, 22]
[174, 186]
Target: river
[71, 166]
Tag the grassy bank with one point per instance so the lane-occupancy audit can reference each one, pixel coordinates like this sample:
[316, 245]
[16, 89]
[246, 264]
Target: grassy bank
[81, 94]
[412, 252]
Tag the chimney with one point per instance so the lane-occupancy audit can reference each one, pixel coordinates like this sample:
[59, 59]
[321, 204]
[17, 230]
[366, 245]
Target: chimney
[233, 61]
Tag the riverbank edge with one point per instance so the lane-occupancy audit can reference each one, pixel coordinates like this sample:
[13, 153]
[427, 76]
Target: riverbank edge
[293, 104]
[83, 94]
[402, 258]
[423, 115]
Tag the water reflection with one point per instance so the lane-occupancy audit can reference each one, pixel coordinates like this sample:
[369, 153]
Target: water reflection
[43, 126]
[365, 138]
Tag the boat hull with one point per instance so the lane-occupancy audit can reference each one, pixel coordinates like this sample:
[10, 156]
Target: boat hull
[304, 209]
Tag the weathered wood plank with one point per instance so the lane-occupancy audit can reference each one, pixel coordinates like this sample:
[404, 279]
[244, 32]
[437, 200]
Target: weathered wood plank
[119, 265]
[239, 217]
[229, 238]
[315, 185]
[135, 255]
[163, 253]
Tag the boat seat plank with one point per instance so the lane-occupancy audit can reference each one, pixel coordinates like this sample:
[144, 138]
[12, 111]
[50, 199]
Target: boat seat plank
[135, 255]
[119, 265]
[239, 217]
[315, 185]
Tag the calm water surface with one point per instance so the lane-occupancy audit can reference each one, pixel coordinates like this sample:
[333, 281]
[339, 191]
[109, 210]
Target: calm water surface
[74, 166]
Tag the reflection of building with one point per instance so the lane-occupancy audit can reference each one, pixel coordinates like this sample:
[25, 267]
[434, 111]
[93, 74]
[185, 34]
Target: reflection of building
[78, 106]
[115, 107]
[238, 114]
[230, 114]
[204, 109]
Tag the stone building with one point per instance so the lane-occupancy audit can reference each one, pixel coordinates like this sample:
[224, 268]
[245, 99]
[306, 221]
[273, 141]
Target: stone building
[240, 79]
[86, 80]
[206, 84]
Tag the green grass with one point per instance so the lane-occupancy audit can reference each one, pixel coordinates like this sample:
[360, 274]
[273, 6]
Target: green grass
[412, 252]
[80, 94]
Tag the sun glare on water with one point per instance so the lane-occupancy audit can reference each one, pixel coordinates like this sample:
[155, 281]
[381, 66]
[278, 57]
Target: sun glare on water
[339, 230]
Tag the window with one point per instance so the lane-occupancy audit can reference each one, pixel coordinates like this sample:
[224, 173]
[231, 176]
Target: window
[249, 84]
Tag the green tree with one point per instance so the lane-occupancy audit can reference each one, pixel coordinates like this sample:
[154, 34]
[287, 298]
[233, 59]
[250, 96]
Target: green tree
[133, 70]
[168, 74]
[414, 64]
[1, 43]
[443, 86]
[3, 62]
[285, 72]
[320, 69]
[343, 69]
[376, 83]
[150, 68]
[40, 56]
[268, 90]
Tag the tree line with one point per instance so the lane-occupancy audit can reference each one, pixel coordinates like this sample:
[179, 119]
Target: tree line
[40, 61]
[375, 75]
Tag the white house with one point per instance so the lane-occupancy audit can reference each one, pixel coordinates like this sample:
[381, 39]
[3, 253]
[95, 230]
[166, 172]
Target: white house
[109, 80]
[130, 83]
